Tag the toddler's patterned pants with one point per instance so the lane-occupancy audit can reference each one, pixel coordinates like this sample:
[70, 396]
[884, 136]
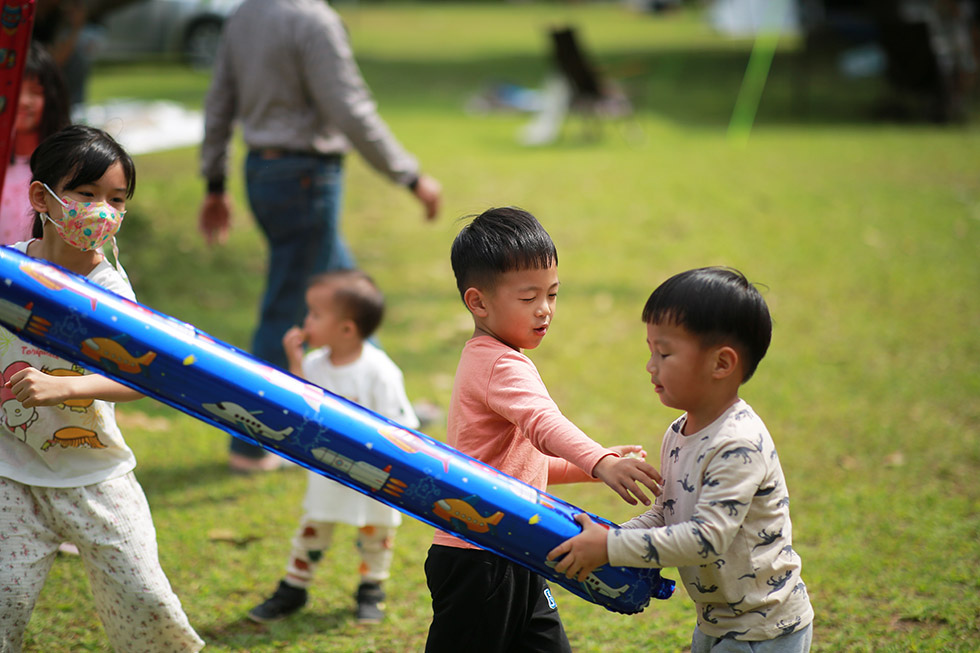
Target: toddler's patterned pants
[374, 543]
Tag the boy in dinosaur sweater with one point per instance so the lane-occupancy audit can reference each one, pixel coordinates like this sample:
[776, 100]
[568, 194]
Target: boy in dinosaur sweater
[723, 518]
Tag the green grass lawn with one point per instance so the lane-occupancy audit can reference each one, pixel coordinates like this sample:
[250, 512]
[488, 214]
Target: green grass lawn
[865, 236]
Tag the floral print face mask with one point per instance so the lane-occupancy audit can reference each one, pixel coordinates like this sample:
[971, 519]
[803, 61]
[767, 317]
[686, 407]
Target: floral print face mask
[86, 225]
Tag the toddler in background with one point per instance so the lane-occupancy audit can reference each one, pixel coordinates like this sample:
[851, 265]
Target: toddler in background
[344, 308]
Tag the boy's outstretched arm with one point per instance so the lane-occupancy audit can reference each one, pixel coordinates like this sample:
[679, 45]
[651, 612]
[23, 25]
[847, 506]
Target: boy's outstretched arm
[625, 475]
[583, 553]
[630, 451]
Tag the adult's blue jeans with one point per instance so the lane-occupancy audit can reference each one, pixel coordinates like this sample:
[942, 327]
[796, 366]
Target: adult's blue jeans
[296, 200]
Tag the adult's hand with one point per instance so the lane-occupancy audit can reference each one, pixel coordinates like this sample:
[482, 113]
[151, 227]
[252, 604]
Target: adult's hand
[428, 191]
[215, 218]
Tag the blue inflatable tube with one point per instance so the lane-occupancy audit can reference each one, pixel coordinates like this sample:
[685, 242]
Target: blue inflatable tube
[181, 366]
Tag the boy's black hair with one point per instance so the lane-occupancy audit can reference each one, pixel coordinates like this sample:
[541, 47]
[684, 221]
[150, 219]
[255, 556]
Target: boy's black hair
[499, 240]
[78, 155]
[718, 306]
[356, 296]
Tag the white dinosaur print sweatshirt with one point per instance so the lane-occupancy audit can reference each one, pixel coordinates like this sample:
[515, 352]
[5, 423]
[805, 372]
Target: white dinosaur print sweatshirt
[723, 521]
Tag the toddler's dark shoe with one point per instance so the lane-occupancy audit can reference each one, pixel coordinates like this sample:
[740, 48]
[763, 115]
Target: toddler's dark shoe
[286, 600]
[370, 603]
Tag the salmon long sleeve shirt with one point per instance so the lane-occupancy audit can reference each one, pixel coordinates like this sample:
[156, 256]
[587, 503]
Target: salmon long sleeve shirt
[501, 414]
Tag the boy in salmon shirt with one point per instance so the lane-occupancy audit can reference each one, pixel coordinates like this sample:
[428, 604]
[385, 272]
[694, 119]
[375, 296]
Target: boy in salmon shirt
[506, 269]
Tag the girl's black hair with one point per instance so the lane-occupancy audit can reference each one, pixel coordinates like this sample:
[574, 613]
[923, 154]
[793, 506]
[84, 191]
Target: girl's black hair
[57, 110]
[496, 241]
[75, 156]
[718, 306]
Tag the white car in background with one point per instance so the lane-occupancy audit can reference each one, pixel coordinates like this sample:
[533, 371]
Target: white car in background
[190, 29]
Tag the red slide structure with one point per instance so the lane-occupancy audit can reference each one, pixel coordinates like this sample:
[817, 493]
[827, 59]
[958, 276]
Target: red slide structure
[16, 23]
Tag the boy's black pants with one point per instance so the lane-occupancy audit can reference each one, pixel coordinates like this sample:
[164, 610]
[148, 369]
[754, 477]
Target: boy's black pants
[482, 603]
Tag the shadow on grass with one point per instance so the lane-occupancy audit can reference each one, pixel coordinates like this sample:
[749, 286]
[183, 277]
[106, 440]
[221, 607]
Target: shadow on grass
[693, 87]
[241, 632]
[159, 478]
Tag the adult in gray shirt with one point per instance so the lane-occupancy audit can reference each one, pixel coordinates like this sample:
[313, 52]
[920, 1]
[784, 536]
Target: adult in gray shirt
[286, 71]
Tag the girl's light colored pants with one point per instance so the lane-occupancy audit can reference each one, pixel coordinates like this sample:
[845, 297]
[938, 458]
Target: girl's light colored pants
[111, 525]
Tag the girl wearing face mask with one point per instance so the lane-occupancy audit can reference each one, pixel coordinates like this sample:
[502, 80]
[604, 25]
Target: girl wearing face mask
[66, 473]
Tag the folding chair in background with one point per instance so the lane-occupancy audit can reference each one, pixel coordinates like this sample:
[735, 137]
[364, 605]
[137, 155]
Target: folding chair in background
[576, 88]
